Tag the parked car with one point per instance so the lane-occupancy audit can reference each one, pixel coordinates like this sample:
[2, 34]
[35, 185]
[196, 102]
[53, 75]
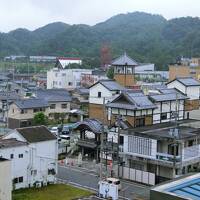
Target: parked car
[54, 130]
[65, 130]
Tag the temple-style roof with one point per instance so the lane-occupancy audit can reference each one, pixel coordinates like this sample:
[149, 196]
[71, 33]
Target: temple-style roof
[124, 60]
[93, 125]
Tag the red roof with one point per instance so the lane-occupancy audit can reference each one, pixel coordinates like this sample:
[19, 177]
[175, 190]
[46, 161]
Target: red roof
[65, 58]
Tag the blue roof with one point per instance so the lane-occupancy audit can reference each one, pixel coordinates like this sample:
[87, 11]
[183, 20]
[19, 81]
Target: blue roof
[187, 81]
[189, 189]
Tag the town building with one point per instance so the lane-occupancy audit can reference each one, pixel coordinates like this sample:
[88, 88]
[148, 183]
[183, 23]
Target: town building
[159, 152]
[5, 180]
[63, 62]
[33, 152]
[184, 68]
[135, 108]
[189, 87]
[99, 94]
[124, 70]
[65, 78]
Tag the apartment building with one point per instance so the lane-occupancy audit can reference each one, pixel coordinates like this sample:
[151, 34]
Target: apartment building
[65, 78]
[5, 180]
[33, 153]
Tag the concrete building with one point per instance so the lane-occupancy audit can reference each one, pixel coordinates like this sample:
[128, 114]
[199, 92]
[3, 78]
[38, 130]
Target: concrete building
[65, 78]
[33, 152]
[5, 180]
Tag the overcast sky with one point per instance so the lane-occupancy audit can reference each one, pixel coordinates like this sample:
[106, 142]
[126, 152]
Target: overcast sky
[32, 14]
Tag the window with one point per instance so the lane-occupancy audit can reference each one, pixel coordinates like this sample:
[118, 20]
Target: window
[13, 110]
[64, 105]
[69, 83]
[33, 172]
[11, 156]
[35, 110]
[51, 172]
[99, 94]
[63, 74]
[140, 122]
[21, 179]
[163, 116]
[18, 180]
[52, 106]
[21, 155]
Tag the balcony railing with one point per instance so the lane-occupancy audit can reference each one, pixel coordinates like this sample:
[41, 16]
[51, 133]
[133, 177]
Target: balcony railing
[168, 157]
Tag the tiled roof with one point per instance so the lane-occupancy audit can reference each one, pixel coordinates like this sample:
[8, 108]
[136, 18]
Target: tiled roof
[167, 97]
[7, 143]
[187, 81]
[111, 85]
[8, 95]
[125, 60]
[135, 101]
[36, 134]
[93, 125]
[54, 95]
[31, 103]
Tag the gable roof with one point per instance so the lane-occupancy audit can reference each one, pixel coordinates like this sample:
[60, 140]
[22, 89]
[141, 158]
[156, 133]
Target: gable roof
[135, 101]
[124, 60]
[31, 103]
[110, 85]
[186, 81]
[54, 95]
[7, 143]
[36, 134]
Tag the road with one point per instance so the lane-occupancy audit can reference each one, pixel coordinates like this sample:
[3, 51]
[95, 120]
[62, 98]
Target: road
[88, 179]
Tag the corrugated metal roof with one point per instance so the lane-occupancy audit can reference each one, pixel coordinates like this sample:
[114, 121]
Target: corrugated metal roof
[124, 60]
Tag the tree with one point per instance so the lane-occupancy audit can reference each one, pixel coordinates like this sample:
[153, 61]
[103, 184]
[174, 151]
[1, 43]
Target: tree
[110, 73]
[40, 119]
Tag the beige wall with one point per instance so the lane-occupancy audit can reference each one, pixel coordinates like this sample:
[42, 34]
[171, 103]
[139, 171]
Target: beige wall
[126, 80]
[178, 71]
[15, 112]
[5, 180]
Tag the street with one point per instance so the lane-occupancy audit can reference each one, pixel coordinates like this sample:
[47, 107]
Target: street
[88, 179]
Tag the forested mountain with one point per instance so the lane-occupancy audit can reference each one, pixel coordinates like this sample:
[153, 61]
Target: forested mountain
[145, 37]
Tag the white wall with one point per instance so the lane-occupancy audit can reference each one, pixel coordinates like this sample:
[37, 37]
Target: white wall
[105, 94]
[18, 165]
[65, 78]
[5, 180]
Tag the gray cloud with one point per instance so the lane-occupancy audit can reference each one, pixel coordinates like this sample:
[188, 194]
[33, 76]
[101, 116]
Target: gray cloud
[32, 14]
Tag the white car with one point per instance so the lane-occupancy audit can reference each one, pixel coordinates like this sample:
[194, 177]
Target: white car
[114, 181]
[54, 130]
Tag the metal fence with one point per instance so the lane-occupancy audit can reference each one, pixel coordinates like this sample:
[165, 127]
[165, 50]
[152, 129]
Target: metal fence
[137, 175]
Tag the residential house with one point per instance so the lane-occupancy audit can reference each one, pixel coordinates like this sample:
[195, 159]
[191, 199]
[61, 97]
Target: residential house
[5, 180]
[189, 87]
[18, 153]
[59, 101]
[21, 112]
[34, 156]
[99, 94]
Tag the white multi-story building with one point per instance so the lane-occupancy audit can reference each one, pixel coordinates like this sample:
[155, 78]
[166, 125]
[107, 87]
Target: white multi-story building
[33, 152]
[65, 78]
[5, 180]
